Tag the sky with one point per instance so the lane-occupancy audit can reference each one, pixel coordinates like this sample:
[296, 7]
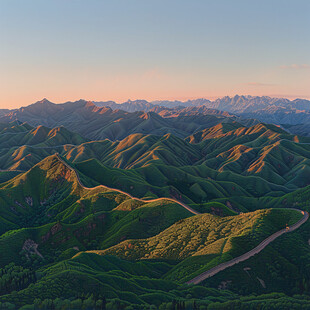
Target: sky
[66, 50]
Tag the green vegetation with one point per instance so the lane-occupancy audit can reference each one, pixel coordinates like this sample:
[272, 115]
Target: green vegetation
[98, 282]
[22, 145]
[64, 215]
[201, 242]
[228, 163]
[242, 180]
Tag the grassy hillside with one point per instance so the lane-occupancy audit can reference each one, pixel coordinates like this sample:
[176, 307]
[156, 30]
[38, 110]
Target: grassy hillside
[136, 285]
[203, 241]
[282, 266]
[48, 206]
[19, 134]
[22, 145]
[47, 218]
[52, 228]
[231, 164]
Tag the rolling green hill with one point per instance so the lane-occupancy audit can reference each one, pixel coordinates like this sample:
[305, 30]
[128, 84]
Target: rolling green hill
[203, 241]
[283, 266]
[22, 145]
[230, 163]
[48, 206]
[117, 284]
[242, 180]
[145, 282]
[21, 134]
[236, 168]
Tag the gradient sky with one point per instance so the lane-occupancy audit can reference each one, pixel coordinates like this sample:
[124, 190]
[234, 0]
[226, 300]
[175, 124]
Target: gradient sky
[152, 49]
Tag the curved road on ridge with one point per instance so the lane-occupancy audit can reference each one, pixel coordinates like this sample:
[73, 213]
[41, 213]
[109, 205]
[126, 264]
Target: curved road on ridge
[122, 192]
[213, 271]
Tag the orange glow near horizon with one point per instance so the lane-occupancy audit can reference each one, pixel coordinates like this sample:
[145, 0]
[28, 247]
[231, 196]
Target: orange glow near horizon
[112, 50]
[63, 85]
[23, 102]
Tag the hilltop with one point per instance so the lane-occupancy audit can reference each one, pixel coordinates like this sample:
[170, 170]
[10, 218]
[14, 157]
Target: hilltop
[20, 142]
[49, 200]
[121, 209]
[87, 117]
[204, 238]
[98, 123]
[49, 218]
[228, 163]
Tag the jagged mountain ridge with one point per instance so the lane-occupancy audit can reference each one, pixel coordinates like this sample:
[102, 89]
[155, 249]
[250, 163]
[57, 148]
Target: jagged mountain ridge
[222, 169]
[237, 104]
[144, 105]
[98, 123]
[267, 109]
[225, 160]
[278, 111]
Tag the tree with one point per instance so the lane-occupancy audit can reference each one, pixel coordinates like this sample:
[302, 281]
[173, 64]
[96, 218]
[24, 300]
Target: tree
[76, 304]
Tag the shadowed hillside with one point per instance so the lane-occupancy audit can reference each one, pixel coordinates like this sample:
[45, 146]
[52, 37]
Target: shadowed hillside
[227, 163]
[48, 205]
[97, 123]
[56, 217]
[49, 224]
[205, 238]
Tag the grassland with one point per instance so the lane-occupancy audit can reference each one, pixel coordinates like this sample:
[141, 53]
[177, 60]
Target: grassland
[227, 163]
[201, 242]
[63, 215]
[53, 229]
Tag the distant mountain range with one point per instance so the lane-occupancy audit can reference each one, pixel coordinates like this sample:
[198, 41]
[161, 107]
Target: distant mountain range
[143, 105]
[118, 208]
[99, 120]
[4, 111]
[293, 115]
[97, 123]
[237, 104]
[251, 104]
[279, 111]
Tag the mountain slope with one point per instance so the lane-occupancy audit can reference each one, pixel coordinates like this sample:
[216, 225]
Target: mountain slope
[49, 206]
[205, 237]
[15, 134]
[97, 123]
[227, 163]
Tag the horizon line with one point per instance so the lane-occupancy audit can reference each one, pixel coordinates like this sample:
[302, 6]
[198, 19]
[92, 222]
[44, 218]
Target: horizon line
[184, 99]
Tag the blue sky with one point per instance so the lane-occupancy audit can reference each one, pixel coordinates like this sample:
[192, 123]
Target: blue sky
[116, 50]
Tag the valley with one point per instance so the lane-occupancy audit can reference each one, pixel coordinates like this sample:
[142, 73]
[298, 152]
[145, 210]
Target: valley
[171, 209]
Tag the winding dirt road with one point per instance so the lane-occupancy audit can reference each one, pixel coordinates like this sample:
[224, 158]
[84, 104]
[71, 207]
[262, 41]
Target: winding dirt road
[122, 192]
[213, 271]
